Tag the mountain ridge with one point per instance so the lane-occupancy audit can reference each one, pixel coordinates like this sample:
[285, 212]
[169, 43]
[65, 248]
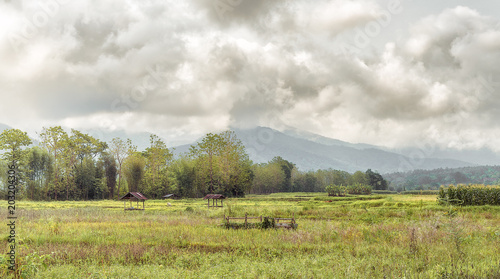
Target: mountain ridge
[310, 151]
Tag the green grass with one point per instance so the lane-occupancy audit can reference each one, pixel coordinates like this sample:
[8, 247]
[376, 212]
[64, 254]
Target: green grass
[373, 236]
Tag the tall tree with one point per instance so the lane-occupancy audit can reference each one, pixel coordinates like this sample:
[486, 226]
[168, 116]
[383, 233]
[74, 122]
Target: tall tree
[222, 164]
[111, 172]
[286, 168]
[40, 170]
[358, 177]
[376, 180]
[13, 142]
[55, 139]
[206, 152]
[185, 176]
[85, 145]
[119, 150]
[134, 171]
[158, 159]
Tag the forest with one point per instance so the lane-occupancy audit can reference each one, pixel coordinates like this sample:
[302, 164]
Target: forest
[433, 179]
[77, 166]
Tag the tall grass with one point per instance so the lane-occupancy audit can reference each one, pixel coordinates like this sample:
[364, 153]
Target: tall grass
[391, 236]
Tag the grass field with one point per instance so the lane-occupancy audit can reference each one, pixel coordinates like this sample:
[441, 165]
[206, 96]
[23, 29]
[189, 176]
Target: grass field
[391, 236]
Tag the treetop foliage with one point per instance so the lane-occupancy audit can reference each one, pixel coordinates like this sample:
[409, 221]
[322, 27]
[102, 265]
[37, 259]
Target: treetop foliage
[77, 166]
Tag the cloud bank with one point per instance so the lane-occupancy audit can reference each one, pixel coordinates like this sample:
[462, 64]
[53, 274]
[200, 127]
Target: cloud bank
[183, 68]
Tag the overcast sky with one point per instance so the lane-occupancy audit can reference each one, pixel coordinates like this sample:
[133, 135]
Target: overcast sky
[388, 73]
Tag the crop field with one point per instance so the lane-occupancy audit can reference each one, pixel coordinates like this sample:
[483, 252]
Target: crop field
[376, 236]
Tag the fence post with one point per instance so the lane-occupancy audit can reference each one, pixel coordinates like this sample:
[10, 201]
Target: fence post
[246, 220]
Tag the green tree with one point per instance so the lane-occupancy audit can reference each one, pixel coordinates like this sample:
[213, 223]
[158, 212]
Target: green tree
[185, 176]
[222, 164]
[358, 177]
[133, 169]
[40, 165]
[13, 141]
[286, 168]
[111, 173]
[206, 153]
[119, 150]
[158, 159]
[55, 140]
[268, 178]
[375, 180]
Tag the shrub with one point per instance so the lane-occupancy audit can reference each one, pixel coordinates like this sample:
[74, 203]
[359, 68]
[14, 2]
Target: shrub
[359, 189]
[336, 190]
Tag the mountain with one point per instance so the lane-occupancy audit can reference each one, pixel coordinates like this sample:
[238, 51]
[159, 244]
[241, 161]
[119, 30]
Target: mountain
[482, 156]
[4, 127]
[324, 140]
[311, 152]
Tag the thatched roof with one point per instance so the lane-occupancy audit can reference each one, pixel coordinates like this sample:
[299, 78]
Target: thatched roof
[133, 196]
[214, 197]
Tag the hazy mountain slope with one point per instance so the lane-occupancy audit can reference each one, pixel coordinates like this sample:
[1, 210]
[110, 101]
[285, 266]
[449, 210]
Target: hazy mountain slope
[433, 179]
[4, 127]
[311, 152]
[324, 140]
[482, 156]
[264, 143]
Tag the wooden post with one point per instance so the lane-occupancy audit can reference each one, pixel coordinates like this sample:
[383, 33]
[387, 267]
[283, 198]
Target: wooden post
[208, 203]
[245, 220]
[221, 203]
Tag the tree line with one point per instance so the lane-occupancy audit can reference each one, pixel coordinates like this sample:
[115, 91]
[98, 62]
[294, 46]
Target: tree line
[433, 179]
[77, 166]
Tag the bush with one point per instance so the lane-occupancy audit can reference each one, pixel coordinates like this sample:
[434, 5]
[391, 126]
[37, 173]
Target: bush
[359, 189]
[336, 190]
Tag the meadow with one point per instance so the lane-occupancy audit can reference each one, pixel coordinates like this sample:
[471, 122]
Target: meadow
[376, 236]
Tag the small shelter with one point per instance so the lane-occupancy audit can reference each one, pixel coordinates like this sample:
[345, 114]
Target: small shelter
[170, 196]
[215, 200]
[133, 196]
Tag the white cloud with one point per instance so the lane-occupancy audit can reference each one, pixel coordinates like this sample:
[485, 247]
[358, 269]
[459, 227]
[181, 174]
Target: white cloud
[179, 68]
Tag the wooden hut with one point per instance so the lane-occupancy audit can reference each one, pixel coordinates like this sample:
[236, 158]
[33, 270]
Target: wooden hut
[215, 200]
[133, 196]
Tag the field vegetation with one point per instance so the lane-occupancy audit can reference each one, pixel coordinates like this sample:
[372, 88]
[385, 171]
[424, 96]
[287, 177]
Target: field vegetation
[368, 236]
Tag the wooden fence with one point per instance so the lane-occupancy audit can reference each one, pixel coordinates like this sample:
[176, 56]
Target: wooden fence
[288, 223]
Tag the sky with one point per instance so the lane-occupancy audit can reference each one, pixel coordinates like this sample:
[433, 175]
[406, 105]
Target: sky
[390, 73]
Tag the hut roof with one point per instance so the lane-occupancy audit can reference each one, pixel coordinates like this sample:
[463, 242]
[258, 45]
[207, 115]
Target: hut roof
[133, 195]
[214, 197]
